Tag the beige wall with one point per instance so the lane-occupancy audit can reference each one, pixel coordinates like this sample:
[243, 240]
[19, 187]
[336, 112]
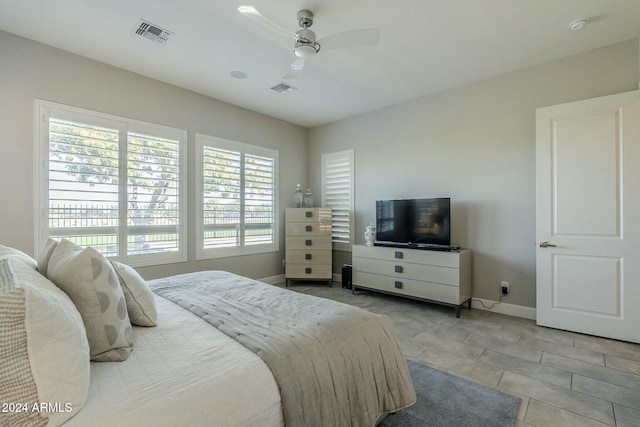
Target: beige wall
[476, 145]
[30, 70]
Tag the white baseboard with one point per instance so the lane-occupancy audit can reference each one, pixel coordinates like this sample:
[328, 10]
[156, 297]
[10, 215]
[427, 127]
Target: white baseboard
[504, 308]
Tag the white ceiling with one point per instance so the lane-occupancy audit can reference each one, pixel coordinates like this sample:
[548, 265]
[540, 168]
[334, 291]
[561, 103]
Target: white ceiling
[426, 46]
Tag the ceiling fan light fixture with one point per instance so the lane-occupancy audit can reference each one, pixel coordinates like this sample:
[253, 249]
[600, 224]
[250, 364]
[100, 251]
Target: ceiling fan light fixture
[305, 50]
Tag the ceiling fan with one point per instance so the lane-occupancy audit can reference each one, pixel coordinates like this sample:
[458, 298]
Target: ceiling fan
[305, 44]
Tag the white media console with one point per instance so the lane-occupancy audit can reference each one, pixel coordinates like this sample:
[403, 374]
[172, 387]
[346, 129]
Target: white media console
[434, 276]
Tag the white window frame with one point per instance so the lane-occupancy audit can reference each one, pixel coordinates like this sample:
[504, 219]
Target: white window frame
[43, 111]
[221, 143]
[345, 156]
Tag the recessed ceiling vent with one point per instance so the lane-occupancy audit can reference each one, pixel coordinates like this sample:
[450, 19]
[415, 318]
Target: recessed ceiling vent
[283, 88]
[152, 32]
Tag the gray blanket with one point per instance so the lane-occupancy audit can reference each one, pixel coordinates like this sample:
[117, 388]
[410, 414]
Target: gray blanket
[335, 365]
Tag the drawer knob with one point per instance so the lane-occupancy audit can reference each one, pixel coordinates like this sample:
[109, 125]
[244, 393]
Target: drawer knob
[308, 228]
[307, 256]
[398, 285]
[307, 270]
[308, 214]
[398, 255]
[307, 242]
[398, 269]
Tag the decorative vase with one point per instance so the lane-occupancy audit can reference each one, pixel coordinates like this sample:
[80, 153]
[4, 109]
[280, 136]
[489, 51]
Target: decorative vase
[370, 234]
[298, 197]
[308, 199]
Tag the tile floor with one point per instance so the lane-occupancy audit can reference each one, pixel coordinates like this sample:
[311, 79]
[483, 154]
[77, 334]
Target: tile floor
[563, 378]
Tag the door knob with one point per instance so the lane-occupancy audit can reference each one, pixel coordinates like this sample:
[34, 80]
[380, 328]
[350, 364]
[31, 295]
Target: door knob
[545, 244]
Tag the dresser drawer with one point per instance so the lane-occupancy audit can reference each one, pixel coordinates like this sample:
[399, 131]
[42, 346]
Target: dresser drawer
[308, 242]
[308, 271]
[308, 257]
[321, 215]
[308, 229]
[431, 273]
[414, 288]
[418, 256]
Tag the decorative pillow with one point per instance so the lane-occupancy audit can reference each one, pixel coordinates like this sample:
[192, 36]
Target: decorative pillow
[44, 356]
[141, 305]
[91, 283]
[45, 254]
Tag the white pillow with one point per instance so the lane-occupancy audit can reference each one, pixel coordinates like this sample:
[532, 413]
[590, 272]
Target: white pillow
[44, 356]
[141, 304]
[45, 254]
[91, 283]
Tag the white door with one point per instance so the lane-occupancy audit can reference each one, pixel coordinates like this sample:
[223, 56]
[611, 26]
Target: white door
[588, 216]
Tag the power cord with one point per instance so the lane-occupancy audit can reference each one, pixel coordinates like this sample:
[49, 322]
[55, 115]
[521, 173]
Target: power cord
[488, 307]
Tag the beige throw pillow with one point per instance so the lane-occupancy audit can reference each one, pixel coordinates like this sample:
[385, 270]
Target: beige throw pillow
[91, 283]
[141, 305]
[38, 324]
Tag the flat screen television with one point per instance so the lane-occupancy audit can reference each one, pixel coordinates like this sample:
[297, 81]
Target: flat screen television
[419, 223]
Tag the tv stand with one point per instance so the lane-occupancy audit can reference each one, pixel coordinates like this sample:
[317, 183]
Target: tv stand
[442, 277]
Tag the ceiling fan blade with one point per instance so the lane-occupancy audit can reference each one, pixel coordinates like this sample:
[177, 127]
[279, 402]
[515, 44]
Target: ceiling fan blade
[251, 13]
[368, 37]
[295, 69]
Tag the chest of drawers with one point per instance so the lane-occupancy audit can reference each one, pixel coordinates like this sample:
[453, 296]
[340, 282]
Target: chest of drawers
[434, 276]
[308, 244]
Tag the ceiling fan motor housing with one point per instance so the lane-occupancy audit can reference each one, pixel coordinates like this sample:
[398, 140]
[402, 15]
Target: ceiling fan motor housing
[305, 43]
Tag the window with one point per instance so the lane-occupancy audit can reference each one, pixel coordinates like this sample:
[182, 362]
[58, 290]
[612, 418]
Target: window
[111, 183]
[337, 194]
[237, 198]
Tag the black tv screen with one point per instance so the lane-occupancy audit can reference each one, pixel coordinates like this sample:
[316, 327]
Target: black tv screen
[413, 222]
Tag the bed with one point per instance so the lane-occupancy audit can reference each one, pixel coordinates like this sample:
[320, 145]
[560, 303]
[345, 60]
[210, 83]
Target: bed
[210, 360]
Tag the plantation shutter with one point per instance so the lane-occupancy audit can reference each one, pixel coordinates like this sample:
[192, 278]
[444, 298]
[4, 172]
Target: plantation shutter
[259, 199]
[222, 184]
[111, 183]
[238, 204]
[153, 194]
[83, 184]
[337, 193]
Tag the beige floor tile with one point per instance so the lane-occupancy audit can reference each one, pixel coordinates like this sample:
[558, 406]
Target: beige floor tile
[455, 347]
[622, 364]
[517, 350]
[564, 350]
[610, 347]
[590, 370]
[509, 363]
[545, 415]
[579, 403]
[600, 389]
[461, 366]
[626, 417]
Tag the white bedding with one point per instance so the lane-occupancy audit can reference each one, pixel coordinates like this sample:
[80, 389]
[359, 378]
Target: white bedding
[181, 373]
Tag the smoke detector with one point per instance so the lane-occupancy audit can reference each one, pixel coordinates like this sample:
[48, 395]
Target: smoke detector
[152, 32]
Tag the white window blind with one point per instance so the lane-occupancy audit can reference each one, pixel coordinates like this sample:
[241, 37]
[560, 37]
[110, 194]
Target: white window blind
[153, 194]
[237, 183]
[113, 184]
[337, 194]
[83, 184]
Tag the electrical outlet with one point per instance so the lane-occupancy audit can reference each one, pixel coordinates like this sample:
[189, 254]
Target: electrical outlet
[504, 287]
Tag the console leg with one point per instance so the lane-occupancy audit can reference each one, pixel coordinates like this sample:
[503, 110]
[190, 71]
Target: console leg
[457, 311]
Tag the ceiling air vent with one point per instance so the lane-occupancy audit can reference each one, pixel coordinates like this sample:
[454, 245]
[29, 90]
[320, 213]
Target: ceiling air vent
[283, 88]
[152, 32]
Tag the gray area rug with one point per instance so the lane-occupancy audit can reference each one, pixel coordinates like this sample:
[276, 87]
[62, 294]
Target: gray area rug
[447, 400]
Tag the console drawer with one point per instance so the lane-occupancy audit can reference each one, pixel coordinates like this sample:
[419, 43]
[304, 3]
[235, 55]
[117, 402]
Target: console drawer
[405, 270]
[414, 288]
